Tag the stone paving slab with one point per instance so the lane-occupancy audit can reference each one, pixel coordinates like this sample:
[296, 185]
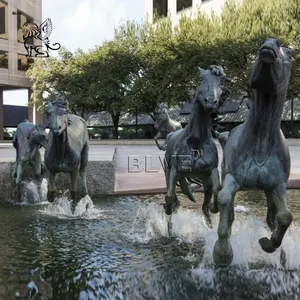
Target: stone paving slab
[145, 181]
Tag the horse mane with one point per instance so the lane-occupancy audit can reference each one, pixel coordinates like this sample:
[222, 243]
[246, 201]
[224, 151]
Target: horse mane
[193, 127]
[194, 123]
[61, 102]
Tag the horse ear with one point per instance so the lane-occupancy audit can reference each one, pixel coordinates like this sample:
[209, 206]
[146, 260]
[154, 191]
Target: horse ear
[41, 127]
[47, 106]
[200, 70]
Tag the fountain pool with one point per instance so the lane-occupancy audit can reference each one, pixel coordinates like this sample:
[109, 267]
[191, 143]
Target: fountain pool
[120, 249]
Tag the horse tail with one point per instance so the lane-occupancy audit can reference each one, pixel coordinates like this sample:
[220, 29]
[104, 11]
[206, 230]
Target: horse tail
[222, 137]
[191, 180]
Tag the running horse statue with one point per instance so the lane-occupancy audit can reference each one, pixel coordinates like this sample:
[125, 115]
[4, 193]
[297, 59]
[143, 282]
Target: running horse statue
[27, 140]
[164, 125]
[67, 147]
[191, 152]
[255, 154]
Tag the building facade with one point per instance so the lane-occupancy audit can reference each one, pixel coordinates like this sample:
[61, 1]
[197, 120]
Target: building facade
[178, 7]
[13, 60]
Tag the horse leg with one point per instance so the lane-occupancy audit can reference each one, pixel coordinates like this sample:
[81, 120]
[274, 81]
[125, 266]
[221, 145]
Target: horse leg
[208, 191]
[37, 169]
[215, 177]
[272, 222]
[156, 141]
[51, 187]
[73, 176]
[170, 197]
[222, 250]
[186, 188]
[284, 219]
[271, 213]
[82, 170]
[19, 173]
[164, 146]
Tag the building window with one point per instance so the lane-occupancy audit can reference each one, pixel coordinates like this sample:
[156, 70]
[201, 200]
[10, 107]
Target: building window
[183, 4]
[24, 62]
[3, 20]
[3, 59]
[160, 7]
[21, 20]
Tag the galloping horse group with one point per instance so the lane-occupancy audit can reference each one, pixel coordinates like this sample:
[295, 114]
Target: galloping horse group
[255, 154]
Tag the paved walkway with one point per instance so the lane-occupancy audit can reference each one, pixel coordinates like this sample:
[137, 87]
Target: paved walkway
[138, 167]
[145, 174]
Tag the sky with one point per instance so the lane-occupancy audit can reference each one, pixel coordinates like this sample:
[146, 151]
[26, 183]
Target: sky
[82, 24]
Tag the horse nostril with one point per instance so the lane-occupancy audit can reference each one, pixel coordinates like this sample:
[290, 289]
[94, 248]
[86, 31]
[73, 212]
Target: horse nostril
[59, 127]
[205, 100]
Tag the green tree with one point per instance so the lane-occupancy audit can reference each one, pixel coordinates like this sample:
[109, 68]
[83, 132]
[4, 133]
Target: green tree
[111, 70]
[62, 75]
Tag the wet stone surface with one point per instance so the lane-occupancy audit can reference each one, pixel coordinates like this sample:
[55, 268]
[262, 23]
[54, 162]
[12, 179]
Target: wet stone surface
[120, 249]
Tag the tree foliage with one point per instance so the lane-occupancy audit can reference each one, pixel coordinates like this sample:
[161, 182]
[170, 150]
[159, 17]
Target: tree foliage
[144, 64]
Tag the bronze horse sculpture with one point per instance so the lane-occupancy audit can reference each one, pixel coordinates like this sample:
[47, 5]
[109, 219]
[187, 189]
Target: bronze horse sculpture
[67, 147]
[27, 140]
[255, 154]
[164, 125]
[191, 151]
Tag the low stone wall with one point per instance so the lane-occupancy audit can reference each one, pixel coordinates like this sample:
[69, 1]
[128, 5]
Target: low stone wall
[100, 180]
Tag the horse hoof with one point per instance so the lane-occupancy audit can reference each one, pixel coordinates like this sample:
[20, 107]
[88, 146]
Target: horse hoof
[222, 258]
[51, 196]
[73, 195]
[168, 209]
[266, 245]
[208, 223]
[213, 208]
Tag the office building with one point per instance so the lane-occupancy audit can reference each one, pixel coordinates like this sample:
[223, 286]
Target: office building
[178, 7]
[13, 62]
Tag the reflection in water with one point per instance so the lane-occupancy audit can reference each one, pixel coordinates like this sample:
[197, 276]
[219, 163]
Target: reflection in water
[119, 249]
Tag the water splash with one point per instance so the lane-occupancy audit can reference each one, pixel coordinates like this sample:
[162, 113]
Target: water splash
[151, 222]
[35, 193]
[62, 208]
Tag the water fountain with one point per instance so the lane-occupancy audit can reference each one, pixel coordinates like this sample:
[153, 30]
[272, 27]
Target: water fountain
[120, 248]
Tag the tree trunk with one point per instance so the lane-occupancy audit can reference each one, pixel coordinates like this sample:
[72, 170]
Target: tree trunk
[74, 112]
[116, 119]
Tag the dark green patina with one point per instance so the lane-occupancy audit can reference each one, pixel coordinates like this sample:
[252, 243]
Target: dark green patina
[256, 154]
[67, 147]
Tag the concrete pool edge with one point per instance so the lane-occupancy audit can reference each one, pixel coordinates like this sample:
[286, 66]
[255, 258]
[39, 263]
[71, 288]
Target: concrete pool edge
[100, 179]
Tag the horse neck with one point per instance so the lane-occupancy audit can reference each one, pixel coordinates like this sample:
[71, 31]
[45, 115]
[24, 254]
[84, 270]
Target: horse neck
[199, 126]
[33, 147]
[265, 114]
[60, 145]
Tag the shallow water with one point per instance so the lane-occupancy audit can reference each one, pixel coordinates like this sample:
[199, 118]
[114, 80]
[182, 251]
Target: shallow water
[119, 249]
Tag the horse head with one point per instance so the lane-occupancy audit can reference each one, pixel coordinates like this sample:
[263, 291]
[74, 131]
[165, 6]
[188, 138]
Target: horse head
[161, 115]
[272, 68]
[57, 114]
[210, 89]
[38, 135]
